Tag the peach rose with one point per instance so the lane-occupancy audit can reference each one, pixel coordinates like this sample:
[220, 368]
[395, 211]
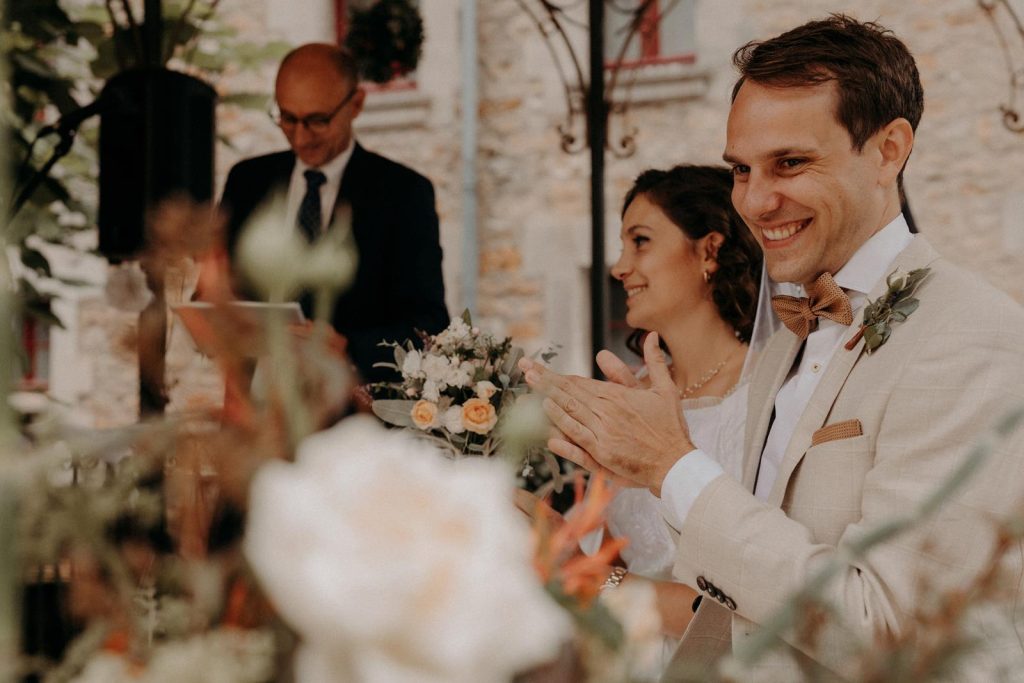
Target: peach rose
[478, 416]
[424, 414]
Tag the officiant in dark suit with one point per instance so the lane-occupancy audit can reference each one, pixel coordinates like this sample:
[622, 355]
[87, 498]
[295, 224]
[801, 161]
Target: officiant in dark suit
[398, 287]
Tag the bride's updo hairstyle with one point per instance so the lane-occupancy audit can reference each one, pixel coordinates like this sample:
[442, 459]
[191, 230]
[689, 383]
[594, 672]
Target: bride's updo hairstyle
[698, 200]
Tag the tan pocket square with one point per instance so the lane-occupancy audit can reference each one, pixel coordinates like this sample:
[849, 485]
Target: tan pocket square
[840, 430]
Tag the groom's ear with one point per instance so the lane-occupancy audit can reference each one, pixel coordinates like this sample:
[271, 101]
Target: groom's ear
[894, 143]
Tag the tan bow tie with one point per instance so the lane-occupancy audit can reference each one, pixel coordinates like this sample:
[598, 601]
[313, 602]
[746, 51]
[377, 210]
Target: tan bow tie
[824, 299]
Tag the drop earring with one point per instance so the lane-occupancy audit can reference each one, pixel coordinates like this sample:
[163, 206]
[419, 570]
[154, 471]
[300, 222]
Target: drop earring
[707, 277]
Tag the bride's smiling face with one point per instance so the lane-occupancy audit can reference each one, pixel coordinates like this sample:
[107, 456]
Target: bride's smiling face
[659, 267]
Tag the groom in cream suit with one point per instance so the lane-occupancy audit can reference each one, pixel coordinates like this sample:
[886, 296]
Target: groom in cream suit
[846, 431]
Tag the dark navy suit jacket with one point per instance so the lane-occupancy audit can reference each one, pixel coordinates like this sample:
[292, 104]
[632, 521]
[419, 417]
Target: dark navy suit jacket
[398, 287]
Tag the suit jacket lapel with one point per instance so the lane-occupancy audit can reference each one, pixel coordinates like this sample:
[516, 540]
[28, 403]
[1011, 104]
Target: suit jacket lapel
[351, 176]
[772, 369]
[917, 255]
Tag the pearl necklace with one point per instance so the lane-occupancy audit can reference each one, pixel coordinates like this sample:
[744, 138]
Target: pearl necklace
[704, 379]
[707, 377]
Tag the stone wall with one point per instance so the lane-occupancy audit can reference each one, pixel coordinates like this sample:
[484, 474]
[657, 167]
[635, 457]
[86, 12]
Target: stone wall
[963, 180]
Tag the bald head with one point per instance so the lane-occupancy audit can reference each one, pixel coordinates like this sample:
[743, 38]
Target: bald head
[318, 81]
[320, 57]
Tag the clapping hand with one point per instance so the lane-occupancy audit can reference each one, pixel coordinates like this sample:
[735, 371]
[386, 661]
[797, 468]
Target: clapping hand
[635, 433]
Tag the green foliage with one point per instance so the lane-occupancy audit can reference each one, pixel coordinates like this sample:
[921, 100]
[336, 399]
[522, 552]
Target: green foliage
[60, 55]
[895, 305]
[386, 38]
[593, 618]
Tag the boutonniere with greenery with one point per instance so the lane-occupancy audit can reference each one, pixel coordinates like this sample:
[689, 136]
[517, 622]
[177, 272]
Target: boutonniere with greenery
[895, 305]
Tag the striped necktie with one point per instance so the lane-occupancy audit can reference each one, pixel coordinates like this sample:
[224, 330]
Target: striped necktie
[310, 213]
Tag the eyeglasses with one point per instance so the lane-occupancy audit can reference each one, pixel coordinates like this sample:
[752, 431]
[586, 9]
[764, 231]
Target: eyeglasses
[314, 123]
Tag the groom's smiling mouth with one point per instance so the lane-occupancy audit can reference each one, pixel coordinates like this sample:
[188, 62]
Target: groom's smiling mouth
[780, 234]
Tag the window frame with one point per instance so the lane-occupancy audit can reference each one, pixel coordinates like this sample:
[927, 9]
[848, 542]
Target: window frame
[651, 44]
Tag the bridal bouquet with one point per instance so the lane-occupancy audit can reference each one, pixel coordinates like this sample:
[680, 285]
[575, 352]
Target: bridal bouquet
[455, 390]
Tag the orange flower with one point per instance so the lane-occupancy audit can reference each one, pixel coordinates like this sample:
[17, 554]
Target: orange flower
[558, 556]
[478, 416]
[424, 414]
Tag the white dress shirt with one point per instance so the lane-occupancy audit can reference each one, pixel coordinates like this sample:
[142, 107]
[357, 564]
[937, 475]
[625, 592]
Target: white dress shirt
[870, 264]
[333, 170]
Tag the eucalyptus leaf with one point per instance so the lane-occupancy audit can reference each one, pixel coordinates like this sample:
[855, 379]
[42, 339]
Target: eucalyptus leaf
[906, 307]
[872, 339]
[876, 335]
[916, 277]
[467, 317]
[395, 411]
[595, 618]
[512, 360]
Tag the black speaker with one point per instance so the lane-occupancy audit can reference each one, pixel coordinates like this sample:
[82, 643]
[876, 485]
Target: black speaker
[156, 139]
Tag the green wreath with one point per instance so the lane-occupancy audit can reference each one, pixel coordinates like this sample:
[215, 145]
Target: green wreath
[386, 39]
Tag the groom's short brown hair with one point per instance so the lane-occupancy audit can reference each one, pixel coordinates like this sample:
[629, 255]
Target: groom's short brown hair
[875, 74]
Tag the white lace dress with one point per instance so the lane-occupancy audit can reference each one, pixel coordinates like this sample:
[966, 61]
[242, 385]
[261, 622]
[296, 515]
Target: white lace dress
[716, 427]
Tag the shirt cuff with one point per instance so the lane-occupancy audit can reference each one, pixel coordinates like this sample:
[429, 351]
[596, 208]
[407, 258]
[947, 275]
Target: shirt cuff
[684, 483]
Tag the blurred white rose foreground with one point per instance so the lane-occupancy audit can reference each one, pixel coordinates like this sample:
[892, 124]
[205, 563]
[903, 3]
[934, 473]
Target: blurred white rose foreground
[396, 564]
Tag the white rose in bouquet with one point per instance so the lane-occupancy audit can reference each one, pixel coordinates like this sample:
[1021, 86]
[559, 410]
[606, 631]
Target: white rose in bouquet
[395, 564]
[485, 389]
[452, 420]
[431, 391]
[459, 374]
[435, 368]
[411, 364]
[455, 334]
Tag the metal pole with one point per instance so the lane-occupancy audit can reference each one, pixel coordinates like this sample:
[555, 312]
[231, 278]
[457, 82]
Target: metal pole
[470, 105]
[153, 34]
[152, 335]
[597, 122]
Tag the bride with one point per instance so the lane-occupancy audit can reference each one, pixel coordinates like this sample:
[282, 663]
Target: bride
[691, 270]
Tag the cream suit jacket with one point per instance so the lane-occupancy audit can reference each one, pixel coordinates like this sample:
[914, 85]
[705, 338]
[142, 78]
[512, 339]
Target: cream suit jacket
[923, 398]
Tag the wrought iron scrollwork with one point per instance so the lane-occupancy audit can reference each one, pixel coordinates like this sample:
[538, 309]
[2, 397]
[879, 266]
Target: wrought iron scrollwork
[1013, 119]
[554, 20]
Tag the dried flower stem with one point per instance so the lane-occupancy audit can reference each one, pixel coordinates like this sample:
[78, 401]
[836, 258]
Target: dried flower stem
[855, 338]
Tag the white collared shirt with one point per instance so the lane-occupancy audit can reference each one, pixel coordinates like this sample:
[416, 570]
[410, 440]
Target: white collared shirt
[869, 265]
[333, 170]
